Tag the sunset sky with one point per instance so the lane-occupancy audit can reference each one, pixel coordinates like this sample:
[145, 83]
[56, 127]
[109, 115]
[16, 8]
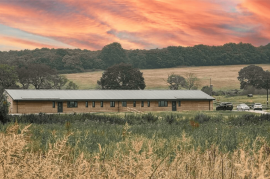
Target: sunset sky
[136, 24]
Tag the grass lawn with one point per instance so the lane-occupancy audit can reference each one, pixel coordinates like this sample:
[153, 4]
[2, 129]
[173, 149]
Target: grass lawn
[242, 99]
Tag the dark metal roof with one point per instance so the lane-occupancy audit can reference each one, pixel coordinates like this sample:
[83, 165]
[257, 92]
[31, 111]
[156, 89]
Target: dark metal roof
[45, 95]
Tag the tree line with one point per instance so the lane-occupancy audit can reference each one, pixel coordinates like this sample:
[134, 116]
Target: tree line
[77, 60]
[38, 76]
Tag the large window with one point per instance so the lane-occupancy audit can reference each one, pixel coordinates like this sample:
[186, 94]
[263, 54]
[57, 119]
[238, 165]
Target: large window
[72, 104]
[148, 103]
[162, 103]
[134, 103]
[101, 103]
[124, 104]
[142, 104]
[93, 104]
[53, 104]
[112, 103]
[86, 104]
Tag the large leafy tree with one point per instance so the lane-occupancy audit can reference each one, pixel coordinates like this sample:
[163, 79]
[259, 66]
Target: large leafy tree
[8, 76]
[24, 77]
[252, 75]
[122, 76]
[39, 75]
[176, 81]
[113, 54]
[58, 81]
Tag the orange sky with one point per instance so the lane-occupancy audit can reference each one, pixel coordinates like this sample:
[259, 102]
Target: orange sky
[136, 24]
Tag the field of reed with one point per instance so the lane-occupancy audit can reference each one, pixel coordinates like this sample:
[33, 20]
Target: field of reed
[158, 145]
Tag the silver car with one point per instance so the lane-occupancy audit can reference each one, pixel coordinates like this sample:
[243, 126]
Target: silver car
[257, 106]
[242, 107]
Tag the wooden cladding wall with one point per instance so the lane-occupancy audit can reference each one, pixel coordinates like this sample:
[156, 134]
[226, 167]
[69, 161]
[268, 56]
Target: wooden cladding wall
[47, 106]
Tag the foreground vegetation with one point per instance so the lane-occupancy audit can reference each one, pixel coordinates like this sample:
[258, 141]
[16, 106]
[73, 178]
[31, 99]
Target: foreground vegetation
[159, 145]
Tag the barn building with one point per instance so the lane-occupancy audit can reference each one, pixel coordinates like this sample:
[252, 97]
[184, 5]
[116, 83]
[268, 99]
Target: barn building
[85, 101]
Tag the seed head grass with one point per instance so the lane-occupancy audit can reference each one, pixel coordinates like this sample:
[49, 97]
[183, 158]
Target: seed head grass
[135, 156]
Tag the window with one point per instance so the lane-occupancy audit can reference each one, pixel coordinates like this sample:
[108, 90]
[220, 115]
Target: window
[134, 103]
[112, 103]
[93, 104]
[148, 103]
[53, 104]
[101, 103]
[162, 103]
[124, 104]
[179, 103]
[142, 104]
[86, 104]
[72, 104]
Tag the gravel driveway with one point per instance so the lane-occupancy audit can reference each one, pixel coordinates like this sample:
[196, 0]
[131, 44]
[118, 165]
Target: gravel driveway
[256, 111]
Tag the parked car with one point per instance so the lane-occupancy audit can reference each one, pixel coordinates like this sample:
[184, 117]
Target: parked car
[257, 106]
[225, 106]
[242, 107]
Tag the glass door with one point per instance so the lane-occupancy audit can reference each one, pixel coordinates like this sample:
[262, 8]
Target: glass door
[173, 105]
[60, 106]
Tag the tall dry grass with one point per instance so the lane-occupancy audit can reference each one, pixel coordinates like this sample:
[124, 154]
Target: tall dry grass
[134, 158]
[222, 77]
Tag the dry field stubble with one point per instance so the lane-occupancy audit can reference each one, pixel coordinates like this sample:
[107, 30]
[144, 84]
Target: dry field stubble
[129, 161]
[222, 77]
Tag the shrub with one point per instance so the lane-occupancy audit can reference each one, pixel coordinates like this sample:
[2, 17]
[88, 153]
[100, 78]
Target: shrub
[3, 108]
[170, 119]
[208, 90]
[150, 117]
[201, 118]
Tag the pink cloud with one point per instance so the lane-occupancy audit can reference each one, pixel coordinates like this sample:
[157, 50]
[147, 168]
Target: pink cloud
[16, 42]
[139, 23]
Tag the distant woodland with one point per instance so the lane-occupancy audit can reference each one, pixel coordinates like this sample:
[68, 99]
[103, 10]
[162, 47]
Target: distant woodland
[77, 60]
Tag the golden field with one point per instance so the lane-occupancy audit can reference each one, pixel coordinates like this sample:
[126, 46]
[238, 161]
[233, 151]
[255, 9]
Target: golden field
[17, 160]
[222, 77]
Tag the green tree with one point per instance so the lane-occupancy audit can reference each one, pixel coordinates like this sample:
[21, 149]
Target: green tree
[251, 75]
[3, 107]
[8, 76]
[192, 82]
[72, 86]
[176, 81]
[72, 62]
[207, 90]
[40, 75]
[137, 58]
[122, 76]
[24, 76]
[58, 81]
[254, 76]
[113, 54]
